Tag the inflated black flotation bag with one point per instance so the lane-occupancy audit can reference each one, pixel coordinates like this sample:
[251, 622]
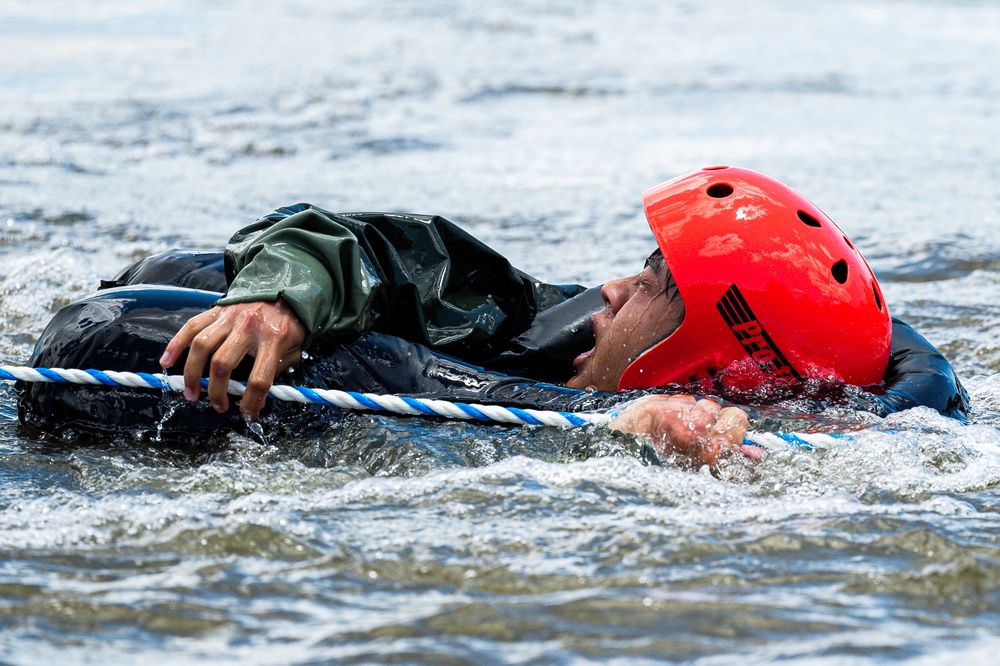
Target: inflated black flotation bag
[127, 327]
[120, 329]
[205, 271]
[919, 375]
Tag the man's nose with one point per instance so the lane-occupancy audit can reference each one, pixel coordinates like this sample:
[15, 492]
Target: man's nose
[616, 293]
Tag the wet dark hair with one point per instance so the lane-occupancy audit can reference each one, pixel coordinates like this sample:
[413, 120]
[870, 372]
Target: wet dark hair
[658, 264]
[656, 261]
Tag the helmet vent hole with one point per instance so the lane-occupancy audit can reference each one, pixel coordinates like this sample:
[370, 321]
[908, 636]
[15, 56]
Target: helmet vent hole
[809, 220]
[849, 243]
[839, 271]
[720, 190]
[878, 296]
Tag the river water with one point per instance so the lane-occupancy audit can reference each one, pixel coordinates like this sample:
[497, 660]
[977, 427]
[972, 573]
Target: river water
[130, 128]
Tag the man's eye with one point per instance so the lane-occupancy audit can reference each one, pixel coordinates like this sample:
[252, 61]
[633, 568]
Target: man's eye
[643, 279]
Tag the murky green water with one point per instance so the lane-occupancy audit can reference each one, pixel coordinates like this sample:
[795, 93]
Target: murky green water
[126, 130]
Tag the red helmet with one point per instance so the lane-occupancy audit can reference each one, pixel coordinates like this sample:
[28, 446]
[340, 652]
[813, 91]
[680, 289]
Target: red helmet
[773, 291]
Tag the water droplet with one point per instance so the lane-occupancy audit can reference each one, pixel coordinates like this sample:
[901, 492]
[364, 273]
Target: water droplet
[172, 405]
[256, 429]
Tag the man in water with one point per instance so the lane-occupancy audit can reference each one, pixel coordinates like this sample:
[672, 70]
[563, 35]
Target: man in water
[751, 286]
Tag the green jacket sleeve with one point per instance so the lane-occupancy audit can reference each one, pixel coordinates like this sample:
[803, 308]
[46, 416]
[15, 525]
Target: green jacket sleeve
[417, 277]
[310, 261]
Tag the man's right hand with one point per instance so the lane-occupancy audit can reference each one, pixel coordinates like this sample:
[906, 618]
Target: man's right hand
[700, 430]
[223, 336]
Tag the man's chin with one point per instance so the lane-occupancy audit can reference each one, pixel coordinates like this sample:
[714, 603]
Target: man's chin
[583, 382]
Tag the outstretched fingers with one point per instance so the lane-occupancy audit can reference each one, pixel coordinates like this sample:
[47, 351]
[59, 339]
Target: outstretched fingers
[226, 355]
[265, 369]
[185, 336]
[222, 337]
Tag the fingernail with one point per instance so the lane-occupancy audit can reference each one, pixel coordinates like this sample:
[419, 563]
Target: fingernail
[217, 407]
[166, 360]
[190, 393]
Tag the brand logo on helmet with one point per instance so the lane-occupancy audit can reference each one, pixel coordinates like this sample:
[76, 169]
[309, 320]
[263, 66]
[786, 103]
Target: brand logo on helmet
[754, 339]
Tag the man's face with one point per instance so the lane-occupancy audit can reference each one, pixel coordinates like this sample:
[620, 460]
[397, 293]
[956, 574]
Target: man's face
[638, 312]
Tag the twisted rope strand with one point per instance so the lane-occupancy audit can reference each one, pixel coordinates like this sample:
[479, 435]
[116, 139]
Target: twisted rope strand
[343, 399]
[373, 402]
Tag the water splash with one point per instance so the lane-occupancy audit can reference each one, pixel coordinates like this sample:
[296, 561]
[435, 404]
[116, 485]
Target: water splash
[255, 427]
[172, 402]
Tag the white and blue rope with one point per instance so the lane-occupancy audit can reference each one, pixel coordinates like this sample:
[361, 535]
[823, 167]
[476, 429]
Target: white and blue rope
[343, 399]
[371, 402]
